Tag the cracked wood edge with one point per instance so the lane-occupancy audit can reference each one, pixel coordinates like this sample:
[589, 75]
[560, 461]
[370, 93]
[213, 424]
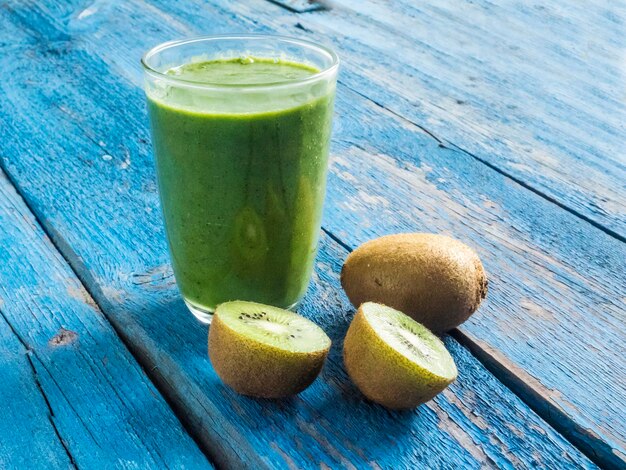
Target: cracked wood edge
[27, 419]
[71, 395]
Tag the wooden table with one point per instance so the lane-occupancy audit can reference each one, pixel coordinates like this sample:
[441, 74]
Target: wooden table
[501, 124]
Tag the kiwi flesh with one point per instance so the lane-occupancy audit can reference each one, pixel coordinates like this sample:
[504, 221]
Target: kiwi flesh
[435, 279]
[394, 360]
[265, 351]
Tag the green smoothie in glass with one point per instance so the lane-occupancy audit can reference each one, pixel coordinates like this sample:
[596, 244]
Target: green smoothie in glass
[241, 146]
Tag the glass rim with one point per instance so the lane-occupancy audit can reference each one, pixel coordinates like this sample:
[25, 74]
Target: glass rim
[234, 86]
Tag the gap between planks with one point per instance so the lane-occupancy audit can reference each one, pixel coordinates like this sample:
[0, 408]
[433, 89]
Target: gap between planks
[452, 146]
[29, 353]
[67, 253]
[510, 381]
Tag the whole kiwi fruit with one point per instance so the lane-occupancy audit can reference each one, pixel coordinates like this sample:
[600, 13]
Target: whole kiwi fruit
[435, 279]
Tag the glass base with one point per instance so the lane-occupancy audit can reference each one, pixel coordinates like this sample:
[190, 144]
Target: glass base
[205, 315]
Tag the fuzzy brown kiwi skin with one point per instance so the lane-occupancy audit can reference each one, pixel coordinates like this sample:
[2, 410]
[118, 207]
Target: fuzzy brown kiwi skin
[382, 374]
[258, 370]
[435, 279]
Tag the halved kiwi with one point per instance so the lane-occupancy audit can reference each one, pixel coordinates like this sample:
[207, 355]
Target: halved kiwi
[264, 351]
[394, 360]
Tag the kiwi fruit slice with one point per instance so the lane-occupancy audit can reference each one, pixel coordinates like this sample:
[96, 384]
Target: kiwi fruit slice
[264, 351]
[394, 360]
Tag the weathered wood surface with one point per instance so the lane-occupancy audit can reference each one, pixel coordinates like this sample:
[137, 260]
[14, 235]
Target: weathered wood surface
[533, 89]
[101, 210]
[323, 425]
[71, 393]
[555, 316]
[29, 439]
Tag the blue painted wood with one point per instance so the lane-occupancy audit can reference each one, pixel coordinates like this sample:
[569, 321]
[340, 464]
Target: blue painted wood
[529, 88]
[28, 438]
[555, 314]
[108, 227]
[71, 393]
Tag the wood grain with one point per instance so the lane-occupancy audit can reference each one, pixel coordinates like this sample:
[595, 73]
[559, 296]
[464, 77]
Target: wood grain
[101, 210]
[534, 90]
[71, 393]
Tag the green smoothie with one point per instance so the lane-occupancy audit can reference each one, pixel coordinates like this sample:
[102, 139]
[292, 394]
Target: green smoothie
[242, 181]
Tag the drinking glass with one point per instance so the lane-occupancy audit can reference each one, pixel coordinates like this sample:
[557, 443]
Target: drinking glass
[241, 165]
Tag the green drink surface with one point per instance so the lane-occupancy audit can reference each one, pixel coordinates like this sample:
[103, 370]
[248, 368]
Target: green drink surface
[242, 71]
[242, 192]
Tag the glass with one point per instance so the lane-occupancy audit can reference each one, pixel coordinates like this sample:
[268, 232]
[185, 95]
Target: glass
[241, 163]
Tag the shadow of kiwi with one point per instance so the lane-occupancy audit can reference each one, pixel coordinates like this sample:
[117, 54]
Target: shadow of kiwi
[329, 415]
[337, 407]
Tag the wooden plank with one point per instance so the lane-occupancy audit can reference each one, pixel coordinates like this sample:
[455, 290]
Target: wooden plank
[108, 227]
[555, 314]
[29, 437]
[527, 88]
[71, 393]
